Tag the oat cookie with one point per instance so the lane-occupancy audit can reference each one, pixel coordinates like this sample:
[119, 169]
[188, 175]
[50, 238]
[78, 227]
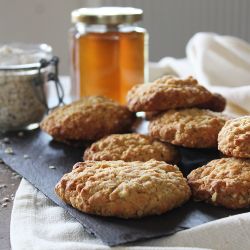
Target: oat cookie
[224, 182]
[217, 103]
[124, 189]
[234, 138]
[192, 128]
[130, 147]
[167, 93]
[90, 118]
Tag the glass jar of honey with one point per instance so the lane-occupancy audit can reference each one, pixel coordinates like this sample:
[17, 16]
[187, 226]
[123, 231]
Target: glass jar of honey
[109, 51]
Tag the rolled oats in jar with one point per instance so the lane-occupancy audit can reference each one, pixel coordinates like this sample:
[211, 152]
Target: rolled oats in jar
[23, 73]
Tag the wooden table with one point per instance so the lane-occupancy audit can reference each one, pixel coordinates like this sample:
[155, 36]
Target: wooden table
[9, 182]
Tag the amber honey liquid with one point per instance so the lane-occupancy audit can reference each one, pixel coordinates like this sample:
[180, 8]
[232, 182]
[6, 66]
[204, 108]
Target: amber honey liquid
[109, 63]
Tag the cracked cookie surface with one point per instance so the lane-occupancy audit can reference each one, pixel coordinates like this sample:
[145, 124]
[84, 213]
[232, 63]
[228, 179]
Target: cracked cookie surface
[124, 189]
[217, 103]
[192, 128]
[167, 93]
[131, 147]
[234, 138]
[90, 118]
[224, 182]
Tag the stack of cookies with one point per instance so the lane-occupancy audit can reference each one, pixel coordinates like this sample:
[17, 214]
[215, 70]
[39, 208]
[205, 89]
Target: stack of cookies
[181, 111]
[226, 181]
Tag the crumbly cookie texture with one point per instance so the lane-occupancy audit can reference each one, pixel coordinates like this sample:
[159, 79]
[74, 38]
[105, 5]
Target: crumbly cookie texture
[192, 128]
[234, 138]
[217, 103]
[90, 118]
[224, 182]
[167, 93]
[130, 147]
[124, 189]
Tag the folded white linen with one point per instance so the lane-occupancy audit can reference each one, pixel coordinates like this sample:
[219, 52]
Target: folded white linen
[38, 224]
[219, 62]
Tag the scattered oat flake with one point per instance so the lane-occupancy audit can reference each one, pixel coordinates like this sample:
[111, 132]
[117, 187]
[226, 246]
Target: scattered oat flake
[16, 177]
[20, 134]
[6, 199]
[3, 186]
[26, 156]
[52, 167]
[9, 150]
[4, 205]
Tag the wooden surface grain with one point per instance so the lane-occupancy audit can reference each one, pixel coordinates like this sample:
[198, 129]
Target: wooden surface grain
[9, 182]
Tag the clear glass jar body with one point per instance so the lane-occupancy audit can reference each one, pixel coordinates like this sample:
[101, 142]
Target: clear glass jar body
[21, 99]
[108, 59]
[25, 70]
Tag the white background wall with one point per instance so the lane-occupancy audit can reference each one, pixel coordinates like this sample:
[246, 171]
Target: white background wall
[170, 22]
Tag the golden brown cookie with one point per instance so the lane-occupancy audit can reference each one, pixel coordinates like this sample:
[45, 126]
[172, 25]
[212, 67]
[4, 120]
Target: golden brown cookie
[149, 115]
[234, 138]
[217, 103]
[224, 182]
[124, 189]
[130, 147]
[192, 128]
[167, 93]
[90, 118]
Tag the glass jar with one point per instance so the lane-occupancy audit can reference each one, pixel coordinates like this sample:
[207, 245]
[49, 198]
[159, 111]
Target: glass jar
[24, 70]
[109, 51]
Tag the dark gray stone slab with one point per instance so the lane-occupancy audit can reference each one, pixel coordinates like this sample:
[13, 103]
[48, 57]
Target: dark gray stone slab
[43, 152]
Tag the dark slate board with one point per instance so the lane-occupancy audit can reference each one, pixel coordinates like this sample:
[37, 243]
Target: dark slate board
[44, 152]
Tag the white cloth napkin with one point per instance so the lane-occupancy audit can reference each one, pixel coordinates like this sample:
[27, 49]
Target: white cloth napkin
[37, 223]
[223, 65]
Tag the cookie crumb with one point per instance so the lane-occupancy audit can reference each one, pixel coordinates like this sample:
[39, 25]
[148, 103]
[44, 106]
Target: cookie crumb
[15, 176]
[26, 156]
[4, 205]
[9, 151]
[5, 199]
[3, 186]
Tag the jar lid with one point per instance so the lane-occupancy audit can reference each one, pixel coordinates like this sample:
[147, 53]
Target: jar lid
[107, 15]
[21, 55]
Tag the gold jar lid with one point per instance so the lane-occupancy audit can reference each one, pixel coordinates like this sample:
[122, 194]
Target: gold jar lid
[107, 15]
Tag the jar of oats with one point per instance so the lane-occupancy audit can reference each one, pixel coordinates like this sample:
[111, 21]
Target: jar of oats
[24, 71]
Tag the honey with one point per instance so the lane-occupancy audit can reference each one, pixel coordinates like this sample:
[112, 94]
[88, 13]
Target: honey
[108, 59]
